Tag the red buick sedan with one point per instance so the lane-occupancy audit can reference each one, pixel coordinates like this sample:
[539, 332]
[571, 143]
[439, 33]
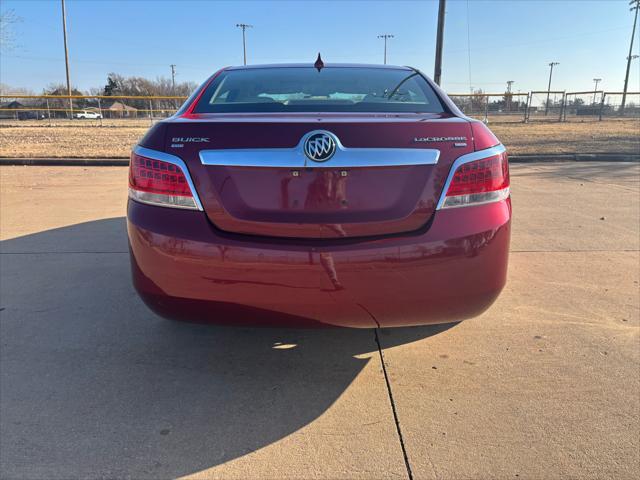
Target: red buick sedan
[314, 195]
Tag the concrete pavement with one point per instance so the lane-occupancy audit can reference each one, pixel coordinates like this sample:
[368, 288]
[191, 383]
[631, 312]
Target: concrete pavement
[543, 385]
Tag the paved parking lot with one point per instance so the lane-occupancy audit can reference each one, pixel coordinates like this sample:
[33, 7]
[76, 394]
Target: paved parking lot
[546, 384]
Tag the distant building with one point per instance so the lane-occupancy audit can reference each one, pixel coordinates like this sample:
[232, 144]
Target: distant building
[119, 110]
[7, 107]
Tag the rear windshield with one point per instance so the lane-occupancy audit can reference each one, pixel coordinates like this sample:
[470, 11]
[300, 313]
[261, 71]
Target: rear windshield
[305, 89]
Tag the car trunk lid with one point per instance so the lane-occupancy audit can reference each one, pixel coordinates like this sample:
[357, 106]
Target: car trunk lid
[385, 177]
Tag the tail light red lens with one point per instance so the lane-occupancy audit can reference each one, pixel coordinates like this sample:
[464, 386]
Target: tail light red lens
[480, 181]
[159, 183]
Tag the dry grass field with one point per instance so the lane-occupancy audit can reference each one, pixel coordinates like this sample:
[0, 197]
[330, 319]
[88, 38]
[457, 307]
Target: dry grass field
[610, 136]
[84, 139]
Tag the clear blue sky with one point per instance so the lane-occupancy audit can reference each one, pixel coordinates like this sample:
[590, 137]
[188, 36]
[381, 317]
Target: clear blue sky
[510, 40]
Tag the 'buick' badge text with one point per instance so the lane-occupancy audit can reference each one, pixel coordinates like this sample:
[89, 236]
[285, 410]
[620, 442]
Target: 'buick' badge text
[189, 139]
[178, 142]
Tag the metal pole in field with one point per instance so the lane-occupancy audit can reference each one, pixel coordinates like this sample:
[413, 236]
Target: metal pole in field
[66, 56]
[601, 106]
[244, 26]
[173, 79]
[486, 109]
[509, 83]
[546, 107]
[48, 112]
[100, 110]
[385, 37]
[635, 6]
[562, 106]
[173, 85]
[595, 88]
[437, 70]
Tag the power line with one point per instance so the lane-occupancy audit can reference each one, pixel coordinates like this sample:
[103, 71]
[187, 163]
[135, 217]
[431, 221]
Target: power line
[385, 36]
[95, 62]
[244, 26]
[506, 45]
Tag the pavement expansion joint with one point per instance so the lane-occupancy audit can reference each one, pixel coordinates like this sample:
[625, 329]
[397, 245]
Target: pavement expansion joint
[393, 407]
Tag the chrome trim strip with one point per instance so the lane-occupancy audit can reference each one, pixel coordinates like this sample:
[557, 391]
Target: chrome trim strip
[343, 158]
[469, 157]
[167, 157]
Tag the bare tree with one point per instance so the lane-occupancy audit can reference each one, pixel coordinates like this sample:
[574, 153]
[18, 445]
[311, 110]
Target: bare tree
[139, 86]
[120, 85]
[8, 90]
[478, 100]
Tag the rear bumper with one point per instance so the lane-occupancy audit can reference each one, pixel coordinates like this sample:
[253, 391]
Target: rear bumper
[184, 268]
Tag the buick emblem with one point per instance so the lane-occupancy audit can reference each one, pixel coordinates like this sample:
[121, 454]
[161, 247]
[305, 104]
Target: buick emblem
[320, 147]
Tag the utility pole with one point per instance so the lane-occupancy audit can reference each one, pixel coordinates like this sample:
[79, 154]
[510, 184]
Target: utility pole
[437, 70]
[173, 79]
[508, 96]
[66, 56]
[244, 26]
[385, 36]
[546, 107]
[595, 88]
[635, 5]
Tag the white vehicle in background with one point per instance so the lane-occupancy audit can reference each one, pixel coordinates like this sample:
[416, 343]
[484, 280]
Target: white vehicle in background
[87, 114]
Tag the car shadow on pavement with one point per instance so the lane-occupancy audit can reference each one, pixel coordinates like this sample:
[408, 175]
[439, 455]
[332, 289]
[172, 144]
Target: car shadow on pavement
[95, 385]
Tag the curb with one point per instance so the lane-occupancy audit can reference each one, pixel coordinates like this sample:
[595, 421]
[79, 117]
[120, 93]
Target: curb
[575, 157]
[67, 162]
[528, 158]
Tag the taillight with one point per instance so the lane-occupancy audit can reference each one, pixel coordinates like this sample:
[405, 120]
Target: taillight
[161, 183]
[479, 181]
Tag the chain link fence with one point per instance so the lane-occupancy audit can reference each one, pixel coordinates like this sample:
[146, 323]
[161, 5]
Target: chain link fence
[598, 105]
[614, 107]
[545, 106]
[56, 110]
[490, 107]
[582, 106]
[97, 110]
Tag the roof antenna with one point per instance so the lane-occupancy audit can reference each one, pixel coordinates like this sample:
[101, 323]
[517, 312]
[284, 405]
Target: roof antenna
[319, 63]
